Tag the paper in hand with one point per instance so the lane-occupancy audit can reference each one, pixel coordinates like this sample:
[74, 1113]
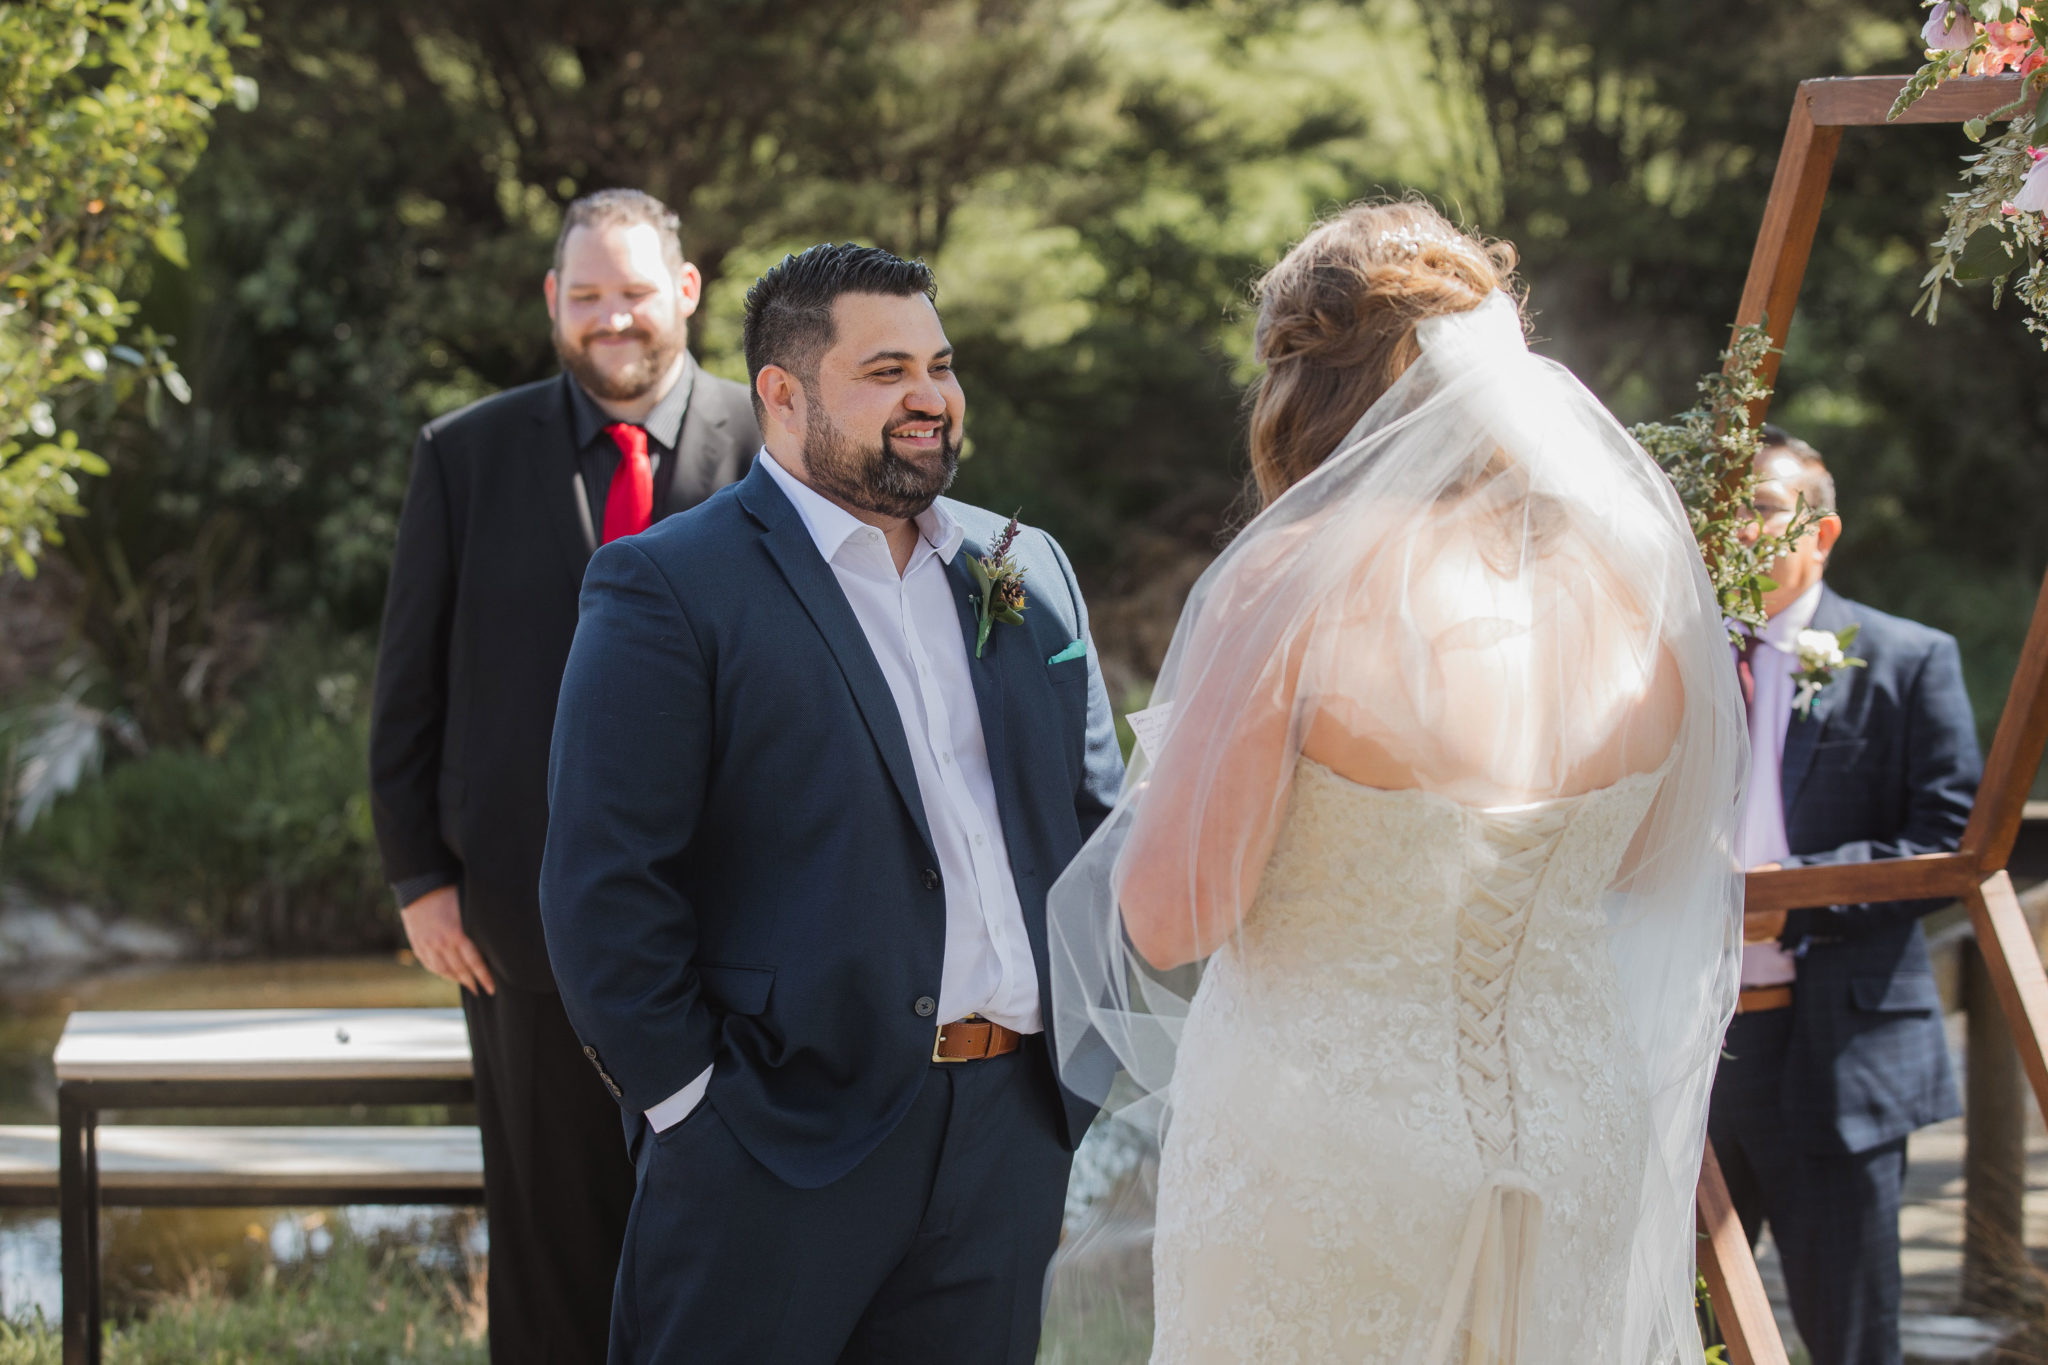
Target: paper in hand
[1149, 725]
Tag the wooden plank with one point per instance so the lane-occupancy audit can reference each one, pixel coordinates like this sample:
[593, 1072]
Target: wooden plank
[1863, 101]
[1741, 1307]
[1791, 215]
[1923, 877]
[2015, 754]
[276, 1045]
[2014, 966]
[1994, 1145]
[171, 1157]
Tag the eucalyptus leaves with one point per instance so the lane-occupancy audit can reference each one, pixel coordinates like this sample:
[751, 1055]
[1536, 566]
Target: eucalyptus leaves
[1998, 222]
[1709, 454]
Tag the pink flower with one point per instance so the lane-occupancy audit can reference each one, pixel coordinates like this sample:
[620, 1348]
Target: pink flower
[2007, 44]
[1949, 29]
[2033, 195]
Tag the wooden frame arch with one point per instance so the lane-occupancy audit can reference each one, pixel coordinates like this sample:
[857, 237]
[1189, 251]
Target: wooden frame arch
[1975, 873]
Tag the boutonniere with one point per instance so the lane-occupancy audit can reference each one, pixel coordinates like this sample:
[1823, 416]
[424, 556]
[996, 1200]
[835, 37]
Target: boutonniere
[1002, 587]
[1820, 654]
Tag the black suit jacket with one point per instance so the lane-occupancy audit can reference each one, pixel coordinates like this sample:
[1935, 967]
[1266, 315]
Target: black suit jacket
[477, 623]
[1886, 766]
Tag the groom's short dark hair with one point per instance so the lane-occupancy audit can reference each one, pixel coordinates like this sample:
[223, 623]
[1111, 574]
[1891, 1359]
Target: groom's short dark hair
[789, 309]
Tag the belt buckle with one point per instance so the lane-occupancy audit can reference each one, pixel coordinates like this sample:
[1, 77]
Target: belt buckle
[939, 1040]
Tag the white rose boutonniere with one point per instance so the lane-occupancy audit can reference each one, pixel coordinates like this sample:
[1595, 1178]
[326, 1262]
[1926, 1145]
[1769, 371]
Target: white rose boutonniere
[1820, 654]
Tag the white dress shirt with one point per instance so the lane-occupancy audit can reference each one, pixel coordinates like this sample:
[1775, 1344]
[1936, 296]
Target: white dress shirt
[1761, 835]
[912, 623]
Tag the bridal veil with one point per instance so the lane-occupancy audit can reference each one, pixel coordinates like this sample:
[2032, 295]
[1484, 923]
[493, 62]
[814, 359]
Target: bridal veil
[1487, 592]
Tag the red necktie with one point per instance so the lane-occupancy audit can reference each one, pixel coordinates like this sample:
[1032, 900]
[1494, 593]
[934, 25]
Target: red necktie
[629, 506]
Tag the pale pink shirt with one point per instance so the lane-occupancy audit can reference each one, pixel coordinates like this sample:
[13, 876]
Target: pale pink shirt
[1760, 837]
[912, 623]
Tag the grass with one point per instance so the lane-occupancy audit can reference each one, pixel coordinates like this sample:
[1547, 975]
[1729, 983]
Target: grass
[360, 1303]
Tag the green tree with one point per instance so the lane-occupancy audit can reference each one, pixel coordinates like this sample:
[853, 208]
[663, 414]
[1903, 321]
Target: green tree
[1634, 184]
[104, 108]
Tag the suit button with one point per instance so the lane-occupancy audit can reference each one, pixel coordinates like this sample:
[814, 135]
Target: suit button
[926, 1007]
[930, 880]
[590, 1052]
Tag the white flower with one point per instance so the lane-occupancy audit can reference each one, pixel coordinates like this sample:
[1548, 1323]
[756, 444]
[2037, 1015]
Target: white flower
[2033, 195]
[1819, 649]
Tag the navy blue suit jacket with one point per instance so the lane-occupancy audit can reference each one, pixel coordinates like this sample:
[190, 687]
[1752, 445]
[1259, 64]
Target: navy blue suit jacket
[738, 871]
[1886, 766]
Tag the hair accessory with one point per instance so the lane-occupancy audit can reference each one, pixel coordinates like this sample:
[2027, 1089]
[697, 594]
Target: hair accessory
[1411, 240]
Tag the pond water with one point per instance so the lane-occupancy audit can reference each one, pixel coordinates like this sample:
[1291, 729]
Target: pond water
[153, 1252]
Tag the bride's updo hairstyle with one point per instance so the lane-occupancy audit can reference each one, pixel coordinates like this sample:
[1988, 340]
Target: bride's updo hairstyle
[1337, 322]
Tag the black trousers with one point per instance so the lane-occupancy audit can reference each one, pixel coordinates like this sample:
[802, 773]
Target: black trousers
[557, 1182]
[1834, 1215]
[934, 1249]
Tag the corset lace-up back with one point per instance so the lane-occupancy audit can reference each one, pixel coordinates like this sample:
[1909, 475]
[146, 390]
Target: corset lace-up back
[1409, 1072]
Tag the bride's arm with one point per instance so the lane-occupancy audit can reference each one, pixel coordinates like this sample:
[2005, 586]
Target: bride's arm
[1211, 810]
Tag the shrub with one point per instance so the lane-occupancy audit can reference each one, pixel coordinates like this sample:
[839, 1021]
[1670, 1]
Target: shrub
[260, 839]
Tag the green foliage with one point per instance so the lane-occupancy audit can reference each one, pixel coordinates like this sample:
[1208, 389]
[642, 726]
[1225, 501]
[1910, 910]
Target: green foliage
[103, 109]
[1709, 453]
[1098, 183]
[1981, 241]
[1634, 186]
[261, 838]
[357, 1303]
[1985, 238]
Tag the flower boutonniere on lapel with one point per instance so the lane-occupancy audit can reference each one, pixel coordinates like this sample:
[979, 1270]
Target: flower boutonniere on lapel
[1820, 654]
[1002, 587]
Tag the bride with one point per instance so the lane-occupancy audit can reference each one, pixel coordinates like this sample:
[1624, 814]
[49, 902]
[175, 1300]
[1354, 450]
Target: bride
[1418, 916]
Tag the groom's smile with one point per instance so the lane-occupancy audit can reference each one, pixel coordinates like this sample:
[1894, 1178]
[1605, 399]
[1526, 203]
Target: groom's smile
[874, 423]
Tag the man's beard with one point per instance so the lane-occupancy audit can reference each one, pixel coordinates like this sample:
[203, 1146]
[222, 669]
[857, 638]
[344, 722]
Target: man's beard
[875, 478]
[658, 351]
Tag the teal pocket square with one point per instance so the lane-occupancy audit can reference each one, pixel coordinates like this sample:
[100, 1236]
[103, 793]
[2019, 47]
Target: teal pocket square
[1076, 650]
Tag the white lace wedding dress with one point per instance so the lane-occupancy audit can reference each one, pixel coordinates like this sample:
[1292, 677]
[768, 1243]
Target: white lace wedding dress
[1408, 1122]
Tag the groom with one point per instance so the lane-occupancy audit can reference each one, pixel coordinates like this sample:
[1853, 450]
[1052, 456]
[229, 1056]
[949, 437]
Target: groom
[801, 833]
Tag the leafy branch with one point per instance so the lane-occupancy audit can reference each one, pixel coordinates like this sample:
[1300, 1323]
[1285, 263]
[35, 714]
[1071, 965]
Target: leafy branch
[104, 108]
[1709, 454]
[1997, 226]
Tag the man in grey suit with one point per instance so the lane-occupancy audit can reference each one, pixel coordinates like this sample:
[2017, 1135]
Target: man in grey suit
[509, 499]
[1836, 1052]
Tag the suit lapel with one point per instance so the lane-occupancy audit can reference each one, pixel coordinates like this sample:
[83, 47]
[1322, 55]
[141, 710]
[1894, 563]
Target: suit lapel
[789, 544]
[567, 501]
[1802, 735]
[690, 482]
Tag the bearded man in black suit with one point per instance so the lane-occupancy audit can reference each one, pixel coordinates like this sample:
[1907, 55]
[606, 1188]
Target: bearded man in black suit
[509, 499]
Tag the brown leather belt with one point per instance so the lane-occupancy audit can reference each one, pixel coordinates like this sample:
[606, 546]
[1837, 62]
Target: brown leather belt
[1754, 998]
[971, 1039]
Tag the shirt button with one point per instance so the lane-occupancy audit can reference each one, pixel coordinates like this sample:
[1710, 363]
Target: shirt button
[925, 1007]
[930, 880]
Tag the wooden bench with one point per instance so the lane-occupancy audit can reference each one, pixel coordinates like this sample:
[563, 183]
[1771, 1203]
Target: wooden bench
[191, 1167]
[260, 1059]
